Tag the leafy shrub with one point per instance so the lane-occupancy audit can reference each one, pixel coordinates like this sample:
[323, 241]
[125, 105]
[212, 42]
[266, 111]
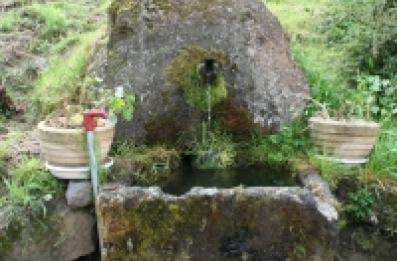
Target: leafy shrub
[29, 186]
[290, 142]
[359, 206]
[367, 31]
[377, 95]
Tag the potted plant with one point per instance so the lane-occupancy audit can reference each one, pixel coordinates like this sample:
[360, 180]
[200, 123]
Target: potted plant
[347, 137]
[63, 140]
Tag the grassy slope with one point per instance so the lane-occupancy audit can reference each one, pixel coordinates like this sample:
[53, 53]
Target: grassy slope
[301, 20]
[64, 33]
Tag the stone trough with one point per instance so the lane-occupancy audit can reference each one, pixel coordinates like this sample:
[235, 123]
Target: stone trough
[254, 223]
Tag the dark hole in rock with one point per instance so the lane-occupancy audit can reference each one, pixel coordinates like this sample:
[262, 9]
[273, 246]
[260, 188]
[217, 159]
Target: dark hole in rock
[208, 71]
[187, 177]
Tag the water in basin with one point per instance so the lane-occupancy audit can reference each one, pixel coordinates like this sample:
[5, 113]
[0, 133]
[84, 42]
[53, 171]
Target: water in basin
[188, 176]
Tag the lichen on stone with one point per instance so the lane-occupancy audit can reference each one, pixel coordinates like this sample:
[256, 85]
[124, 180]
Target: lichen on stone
[183, 72]
[119, 5]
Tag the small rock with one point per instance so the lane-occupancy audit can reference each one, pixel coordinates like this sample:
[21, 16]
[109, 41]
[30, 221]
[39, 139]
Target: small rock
[79, 194]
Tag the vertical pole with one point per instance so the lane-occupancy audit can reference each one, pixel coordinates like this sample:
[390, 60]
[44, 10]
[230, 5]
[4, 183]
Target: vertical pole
[93, 162]
[94, 180]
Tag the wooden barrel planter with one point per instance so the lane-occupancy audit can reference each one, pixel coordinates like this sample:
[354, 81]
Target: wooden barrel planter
[67, 147]
[346, 141]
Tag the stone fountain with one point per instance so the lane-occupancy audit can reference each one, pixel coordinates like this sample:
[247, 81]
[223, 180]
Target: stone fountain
[147, 38]
[155, 48]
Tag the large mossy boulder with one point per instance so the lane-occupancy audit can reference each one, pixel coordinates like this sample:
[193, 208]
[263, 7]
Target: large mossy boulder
[157, 46]
[215, 224]
[64, 235]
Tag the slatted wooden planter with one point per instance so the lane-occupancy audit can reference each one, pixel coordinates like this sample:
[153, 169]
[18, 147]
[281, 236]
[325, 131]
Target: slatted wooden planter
[67, 147]
[347, 141]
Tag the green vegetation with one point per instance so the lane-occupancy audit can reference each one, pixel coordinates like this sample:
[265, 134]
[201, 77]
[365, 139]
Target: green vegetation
[365, 33]
[183, 71]
[52, 20]
[213, 149]
[143, 165]
[59, 32]
[60, 80]
[29, 186]
[23, 199]
[348, 53]
[383, 161]
[281, 147]
[119, 107]
[359, 206]
[9, 21]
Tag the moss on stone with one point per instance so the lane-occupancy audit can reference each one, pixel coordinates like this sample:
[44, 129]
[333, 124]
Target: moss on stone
[7, 237]
[153, 225]
[132, 5]
[183, 71]
[119, 5]
[183, 10]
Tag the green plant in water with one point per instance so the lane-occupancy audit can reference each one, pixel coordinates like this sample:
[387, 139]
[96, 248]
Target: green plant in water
[183, 71]
[144, 165]
[215, 150]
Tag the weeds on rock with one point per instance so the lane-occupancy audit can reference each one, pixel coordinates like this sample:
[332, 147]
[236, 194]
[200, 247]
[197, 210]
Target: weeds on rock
[359, 206]
[279, 148]
[29, 186]
[143, 165]
[213, 149]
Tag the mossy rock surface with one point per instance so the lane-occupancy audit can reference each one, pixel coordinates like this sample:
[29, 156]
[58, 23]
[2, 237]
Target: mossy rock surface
[64, 235]
[154, 44]
[212, 224]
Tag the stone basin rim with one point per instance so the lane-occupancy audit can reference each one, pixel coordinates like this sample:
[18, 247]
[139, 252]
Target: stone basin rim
[210, 191]
[314, 193]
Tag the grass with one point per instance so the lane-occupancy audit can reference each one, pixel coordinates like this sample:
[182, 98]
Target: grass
[59, 81]
[64, 43]
[330, 171]
[301, 20]
[383, 160]
[52, 20]
[64, 32]
[9, 21]
[213, 149]
[29, 186]
[143, 165]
